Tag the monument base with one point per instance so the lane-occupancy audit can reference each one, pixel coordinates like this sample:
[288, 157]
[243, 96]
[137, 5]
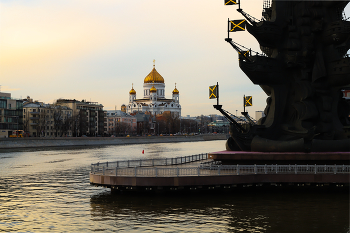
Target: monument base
[300, 158]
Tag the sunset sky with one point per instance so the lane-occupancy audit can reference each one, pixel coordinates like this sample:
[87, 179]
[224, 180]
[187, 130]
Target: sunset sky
[96, 49]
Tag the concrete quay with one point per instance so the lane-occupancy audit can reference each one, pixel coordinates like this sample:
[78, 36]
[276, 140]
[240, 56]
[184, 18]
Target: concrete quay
[15, 143]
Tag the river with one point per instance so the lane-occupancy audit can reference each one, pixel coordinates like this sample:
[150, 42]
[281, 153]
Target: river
[48, 190]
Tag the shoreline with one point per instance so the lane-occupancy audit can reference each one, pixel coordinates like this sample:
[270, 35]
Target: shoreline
[22, 143]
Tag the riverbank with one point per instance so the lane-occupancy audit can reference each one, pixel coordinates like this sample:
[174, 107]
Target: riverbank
[13, 143]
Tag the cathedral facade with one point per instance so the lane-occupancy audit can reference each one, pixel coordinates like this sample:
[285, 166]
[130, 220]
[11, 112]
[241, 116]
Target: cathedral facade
[154, 100]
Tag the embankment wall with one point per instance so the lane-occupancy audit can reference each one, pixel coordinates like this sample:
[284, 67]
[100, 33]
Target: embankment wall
[13, 143]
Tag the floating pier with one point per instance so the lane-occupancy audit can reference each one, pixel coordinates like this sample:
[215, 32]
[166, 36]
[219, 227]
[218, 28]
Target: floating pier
[208, 172]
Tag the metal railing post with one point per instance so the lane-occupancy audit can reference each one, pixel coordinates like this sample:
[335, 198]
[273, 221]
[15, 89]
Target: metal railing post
[156, 171]
[116, 171]
[128, 163]
[315, 169]
[237, 169]
[255, 169]
[107, 164]
[265, 169]
[177, 171]
[103, 170]
[296, 169]
[135, 171]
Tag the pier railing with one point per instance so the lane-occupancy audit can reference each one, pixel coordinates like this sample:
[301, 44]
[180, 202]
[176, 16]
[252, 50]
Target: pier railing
[98, 167]
[167, 168]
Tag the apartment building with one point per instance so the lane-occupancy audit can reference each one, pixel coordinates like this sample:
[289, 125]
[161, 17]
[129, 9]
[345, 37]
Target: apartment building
[46, 120]
[89, 118]
[120, 123]
[11, 115]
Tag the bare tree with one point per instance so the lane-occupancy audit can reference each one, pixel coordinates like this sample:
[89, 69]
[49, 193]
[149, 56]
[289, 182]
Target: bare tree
[26, 121]
[172, 122]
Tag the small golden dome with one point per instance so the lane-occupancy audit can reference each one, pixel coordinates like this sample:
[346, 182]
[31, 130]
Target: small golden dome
[175, 91]
[154, 76]
[132, 91]
[153, 89]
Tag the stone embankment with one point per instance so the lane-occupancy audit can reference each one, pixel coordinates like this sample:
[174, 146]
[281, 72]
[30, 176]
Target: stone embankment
[13, 143]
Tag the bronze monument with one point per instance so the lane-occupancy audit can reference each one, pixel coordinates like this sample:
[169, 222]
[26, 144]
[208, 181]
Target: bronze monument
[303, 68]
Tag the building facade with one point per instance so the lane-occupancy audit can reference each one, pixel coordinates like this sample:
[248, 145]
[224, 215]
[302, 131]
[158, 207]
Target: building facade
[89, 118]
[154, 100]
[11, 115]
[120, 123]
[46, 120]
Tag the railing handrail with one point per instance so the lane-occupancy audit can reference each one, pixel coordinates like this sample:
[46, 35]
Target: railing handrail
[220, 170]
[153, 162]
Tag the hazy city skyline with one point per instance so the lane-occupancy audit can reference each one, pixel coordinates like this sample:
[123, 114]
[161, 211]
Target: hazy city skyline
[95, 50]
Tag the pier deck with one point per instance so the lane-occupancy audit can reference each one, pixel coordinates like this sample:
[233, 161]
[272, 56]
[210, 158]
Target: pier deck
[202, 172]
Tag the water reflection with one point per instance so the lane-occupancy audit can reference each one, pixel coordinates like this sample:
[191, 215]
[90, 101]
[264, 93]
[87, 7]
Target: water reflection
[218, 212]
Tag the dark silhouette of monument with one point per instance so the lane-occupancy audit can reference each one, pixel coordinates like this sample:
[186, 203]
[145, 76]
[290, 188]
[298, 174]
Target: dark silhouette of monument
[302, 70]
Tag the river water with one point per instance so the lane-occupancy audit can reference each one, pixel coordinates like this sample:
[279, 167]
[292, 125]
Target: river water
[48, 190]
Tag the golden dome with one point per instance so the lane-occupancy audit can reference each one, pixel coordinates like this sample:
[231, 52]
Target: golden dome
[132, 91]
[154, 76]
[175, 91]
[153, 89]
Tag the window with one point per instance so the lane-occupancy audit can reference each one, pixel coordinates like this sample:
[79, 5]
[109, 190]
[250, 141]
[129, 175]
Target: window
[3, 103]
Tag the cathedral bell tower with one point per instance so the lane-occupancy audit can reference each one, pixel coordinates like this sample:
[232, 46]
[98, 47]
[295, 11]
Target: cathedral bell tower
[153, 94]
[132, 94]
[176, 95]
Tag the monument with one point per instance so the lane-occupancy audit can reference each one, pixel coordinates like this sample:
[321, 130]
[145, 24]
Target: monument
[302, 70]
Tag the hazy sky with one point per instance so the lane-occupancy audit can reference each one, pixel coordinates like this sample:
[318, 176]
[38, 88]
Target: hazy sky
[95, 50]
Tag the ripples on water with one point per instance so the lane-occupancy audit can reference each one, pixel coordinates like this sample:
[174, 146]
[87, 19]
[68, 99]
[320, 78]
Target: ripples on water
[49, 190]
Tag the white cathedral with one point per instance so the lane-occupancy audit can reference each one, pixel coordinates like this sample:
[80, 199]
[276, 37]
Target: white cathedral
[154, 100]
